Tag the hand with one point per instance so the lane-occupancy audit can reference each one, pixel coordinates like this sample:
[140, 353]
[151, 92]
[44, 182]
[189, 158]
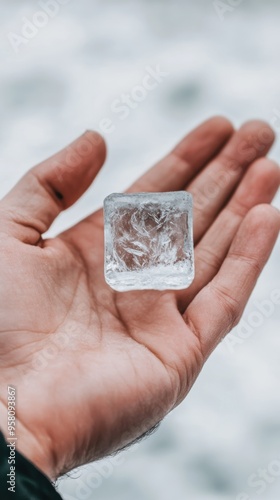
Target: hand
[95, 369]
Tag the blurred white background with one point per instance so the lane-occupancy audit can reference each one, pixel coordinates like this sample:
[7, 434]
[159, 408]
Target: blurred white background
[62, 81]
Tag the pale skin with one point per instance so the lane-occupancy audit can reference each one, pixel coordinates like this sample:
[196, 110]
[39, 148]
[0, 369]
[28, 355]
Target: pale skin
[94, 369]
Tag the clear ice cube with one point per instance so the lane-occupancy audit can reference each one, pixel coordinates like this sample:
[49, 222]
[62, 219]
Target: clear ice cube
[149, 241]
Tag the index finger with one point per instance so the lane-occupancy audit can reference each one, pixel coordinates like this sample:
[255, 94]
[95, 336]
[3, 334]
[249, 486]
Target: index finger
[174, 171]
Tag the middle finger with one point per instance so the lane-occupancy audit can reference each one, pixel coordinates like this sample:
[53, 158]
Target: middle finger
[214, 185]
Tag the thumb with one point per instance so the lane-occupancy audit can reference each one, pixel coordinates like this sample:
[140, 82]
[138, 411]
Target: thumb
[52, 186]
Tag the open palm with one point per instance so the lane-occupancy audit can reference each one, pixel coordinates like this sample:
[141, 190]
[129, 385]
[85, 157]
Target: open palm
[94, 369]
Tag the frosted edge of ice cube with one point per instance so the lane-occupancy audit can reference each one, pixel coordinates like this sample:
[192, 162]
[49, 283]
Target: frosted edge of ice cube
[149, 281]
[173, 277]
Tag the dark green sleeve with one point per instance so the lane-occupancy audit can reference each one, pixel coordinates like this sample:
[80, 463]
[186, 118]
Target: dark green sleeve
[30, 483]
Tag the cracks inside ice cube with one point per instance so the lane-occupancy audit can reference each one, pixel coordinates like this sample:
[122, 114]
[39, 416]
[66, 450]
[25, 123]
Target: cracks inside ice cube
[148, 241]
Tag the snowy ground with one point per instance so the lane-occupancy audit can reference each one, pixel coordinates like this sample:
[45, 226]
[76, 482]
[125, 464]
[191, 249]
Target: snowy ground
[63, 81]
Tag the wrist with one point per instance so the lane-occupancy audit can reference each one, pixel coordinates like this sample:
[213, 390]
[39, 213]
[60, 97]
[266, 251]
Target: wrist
[27, 444]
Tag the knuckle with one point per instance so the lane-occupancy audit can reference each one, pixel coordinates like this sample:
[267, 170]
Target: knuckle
[229, 305]
[208, 258]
